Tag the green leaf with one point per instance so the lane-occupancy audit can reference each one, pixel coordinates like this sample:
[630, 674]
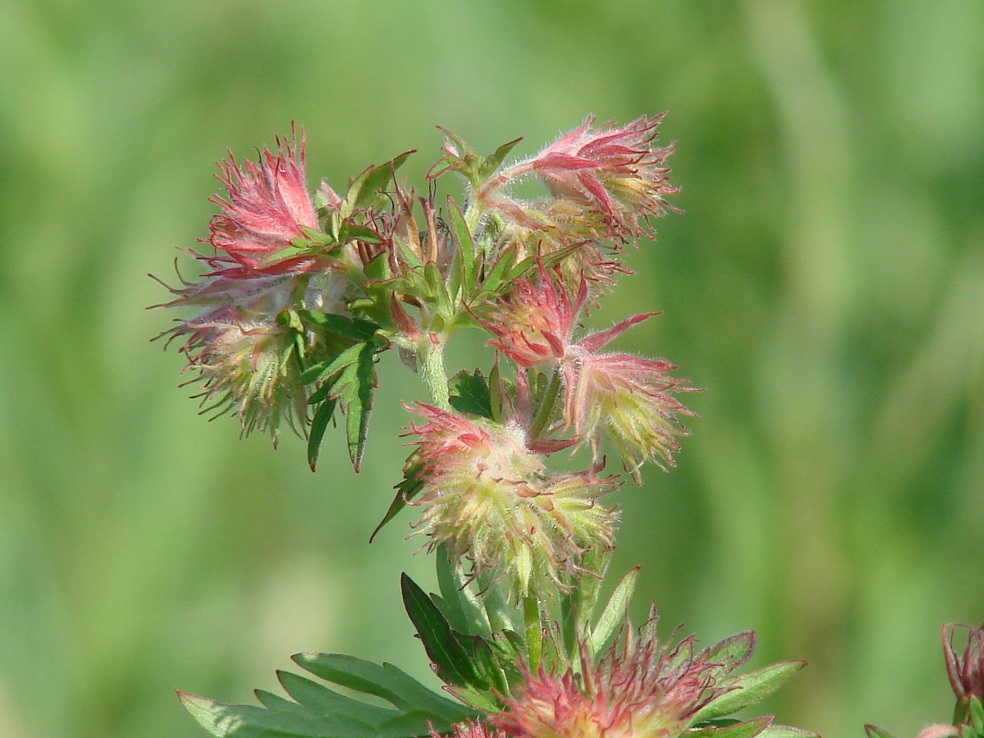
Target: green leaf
[749, 688]
[874, 731]
[449, 657]
[470, 393]
[320, 712]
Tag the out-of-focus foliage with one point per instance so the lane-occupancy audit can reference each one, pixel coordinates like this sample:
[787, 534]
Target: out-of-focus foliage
[826, 285]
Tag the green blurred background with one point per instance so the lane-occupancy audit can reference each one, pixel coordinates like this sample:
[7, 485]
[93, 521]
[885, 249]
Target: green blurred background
[825, 284]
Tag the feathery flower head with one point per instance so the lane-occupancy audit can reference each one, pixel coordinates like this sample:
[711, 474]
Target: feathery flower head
[266, 211]
[638, 689]
[612, 178]
[615, 169]
[627, 399]
[486, 495]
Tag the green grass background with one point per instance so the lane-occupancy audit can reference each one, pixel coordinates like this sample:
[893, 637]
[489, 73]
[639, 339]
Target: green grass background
[825, 284]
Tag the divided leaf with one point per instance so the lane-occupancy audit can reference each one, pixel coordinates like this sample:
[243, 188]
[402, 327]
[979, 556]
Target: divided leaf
[320, 712]
[470, 393]
[346, 380]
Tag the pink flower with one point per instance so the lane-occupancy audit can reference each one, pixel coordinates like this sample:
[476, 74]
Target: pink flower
[486, 495]
[265, 213]
[534, 324]
[620, 396]
[638, 689]
[246, 366]
[626, 399]
[615, 173]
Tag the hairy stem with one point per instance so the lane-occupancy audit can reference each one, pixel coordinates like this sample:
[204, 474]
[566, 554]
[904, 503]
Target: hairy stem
[431, 357]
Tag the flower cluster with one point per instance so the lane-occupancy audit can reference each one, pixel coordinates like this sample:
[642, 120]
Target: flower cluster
[301, 294]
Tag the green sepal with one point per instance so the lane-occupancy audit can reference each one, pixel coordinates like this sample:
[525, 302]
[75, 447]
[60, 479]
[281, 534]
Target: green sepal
[406, 490]
[787, 731]
[319, 712]
[467, 162]
[449, 658]
[468, 258]
[368, 183]
[731, 728]
[470, 394]
[734, 650]
[614, 614]
[749, 688]
[874, 731]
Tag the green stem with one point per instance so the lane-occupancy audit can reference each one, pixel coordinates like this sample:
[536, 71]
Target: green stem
[431, 356]
[534, 631]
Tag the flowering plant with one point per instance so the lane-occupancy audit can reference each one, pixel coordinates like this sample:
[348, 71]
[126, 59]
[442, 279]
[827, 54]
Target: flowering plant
[301, 293]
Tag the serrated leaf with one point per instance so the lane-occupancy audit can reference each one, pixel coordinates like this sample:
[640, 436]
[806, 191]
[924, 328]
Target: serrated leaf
[350, 379]
[614, 613]
[449, 657]
[323, 713]
[470, 393]
[749, 689]
[384, 681]
[357, 405]
[249, 721]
